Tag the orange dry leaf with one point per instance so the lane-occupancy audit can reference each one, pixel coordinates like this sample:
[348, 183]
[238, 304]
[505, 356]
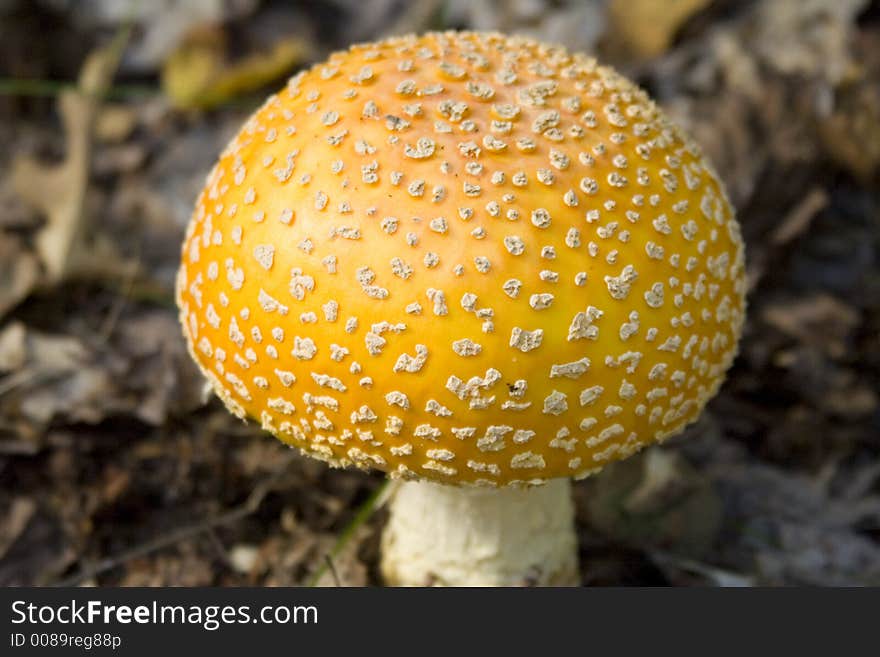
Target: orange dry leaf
[647, 27]
[197, 75]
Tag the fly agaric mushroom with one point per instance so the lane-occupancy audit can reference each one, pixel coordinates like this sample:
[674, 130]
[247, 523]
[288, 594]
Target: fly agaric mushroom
[476, 262]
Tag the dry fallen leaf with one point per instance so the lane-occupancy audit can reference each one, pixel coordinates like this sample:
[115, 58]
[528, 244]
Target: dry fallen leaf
[197, 74]
[808, 37]
[19, 272]
[115, 123]
[797, 221]
[60, 191]
[15, 519]
[818, 319]
[796, 530]
[647, 27]
[851, 134]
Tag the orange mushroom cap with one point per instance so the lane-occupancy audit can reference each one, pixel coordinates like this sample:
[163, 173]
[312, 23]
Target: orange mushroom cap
[463, 257]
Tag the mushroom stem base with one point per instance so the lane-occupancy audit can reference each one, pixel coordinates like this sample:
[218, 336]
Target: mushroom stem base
[448, 536]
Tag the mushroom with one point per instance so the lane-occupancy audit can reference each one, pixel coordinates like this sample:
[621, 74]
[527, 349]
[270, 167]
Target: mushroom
[478, 263]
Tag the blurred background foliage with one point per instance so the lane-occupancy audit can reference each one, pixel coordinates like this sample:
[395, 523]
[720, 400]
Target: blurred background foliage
[115, 469]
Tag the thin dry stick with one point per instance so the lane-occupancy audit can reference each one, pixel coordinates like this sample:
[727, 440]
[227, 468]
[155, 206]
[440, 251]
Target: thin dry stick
[253, 502]
[112, 318]
[366, 509]
[335, 575]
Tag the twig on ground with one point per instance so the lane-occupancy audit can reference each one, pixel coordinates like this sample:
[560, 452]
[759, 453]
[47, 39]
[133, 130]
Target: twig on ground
[250, 505]
[332, 567]
[364, 512]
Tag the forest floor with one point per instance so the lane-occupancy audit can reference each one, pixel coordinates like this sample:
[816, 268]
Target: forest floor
[116, 470]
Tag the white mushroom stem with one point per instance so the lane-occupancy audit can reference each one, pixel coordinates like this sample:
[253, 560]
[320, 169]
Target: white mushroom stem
[450, 536]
